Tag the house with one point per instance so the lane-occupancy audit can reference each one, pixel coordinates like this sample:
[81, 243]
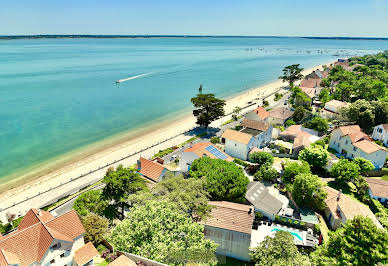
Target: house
[259, 114]
[344, 63]
[378, 189]
[238, 144]
[230, 226]
[263, 201]
[152, 170]
[200, 150]
[351, 142]
[42, 239]
[316, 74]
[380, 133]
[279, 116]
[293, 131]
[332, 108]
[340, 208]
[261, 130]
[303, 139]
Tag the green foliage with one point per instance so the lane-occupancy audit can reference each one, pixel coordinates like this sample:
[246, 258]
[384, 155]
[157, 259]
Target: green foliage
[291, 74]
[223, 180]
[292, 169]
[316, 156]
[162, 153]
[261, 158]
[307, 191]
[318, 123]
[302, 99]
[236, 111]
[265, 103]
[96, 228]
[215, 140]
[278, 250]
[345, 171]
[380, 212]
[358, 242]
[90, 201]
[364, 164]
[267, 173]
[278, 96]
[361, 112]
[240, 162]
[289, 122]
[158, 230]
[207, 108]
[119, 184]
[324, 95]
[298, 114]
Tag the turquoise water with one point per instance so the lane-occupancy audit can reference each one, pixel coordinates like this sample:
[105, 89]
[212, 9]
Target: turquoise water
[57, 95]
[295, 234]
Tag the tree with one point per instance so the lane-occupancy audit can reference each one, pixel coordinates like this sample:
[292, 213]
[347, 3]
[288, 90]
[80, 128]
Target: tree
[266, 172]
[96, 228]
[364, 164]
[298, 114]
[207, 108]
[345, 171]
[361, 112]
[223, 180]
[158, 230]
[316, 156]
[236, 111]
[307, 191]
[119, 184]
[318, 123]
[291, 74]
[189, 195]
[279, 250]
[90, 201]
[292, 169]
[358, 242]
[261, 158]
[324, 95]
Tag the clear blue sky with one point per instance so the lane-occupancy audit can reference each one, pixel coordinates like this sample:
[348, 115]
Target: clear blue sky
[365, 18]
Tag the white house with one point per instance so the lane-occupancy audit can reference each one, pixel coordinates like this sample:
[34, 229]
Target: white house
[380, 133]
[261, 130]
[351, 142]
[378, 189]
[332, 109]
[42, 239]
[238, 144]
[230, 226]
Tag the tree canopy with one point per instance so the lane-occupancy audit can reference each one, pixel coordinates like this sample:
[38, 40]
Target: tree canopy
[318, 124]
[96, 228]
[158, 230]
[207, 108]
[279, 250]
[307, 191]
[298, 114]
[261, 158]
[345, 171]
[223, 180]
[291, 74]
[357, 242]
[364, 164]
[90, 201]
[315, 155]
[292, 169]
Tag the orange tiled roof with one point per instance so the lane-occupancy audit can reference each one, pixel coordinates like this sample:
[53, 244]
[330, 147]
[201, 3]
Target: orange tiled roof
[200, 150]
[309, 83]
[292, 131]
[261, 112]
[258, 125]
[310, 92]
[237, 136]
[348, 206]
[354, 132]
[302, 139]
[378, 187]
[281, 113]
[30, 243]
[230, 216]
[7, 258]
[368, 146]
[150, 169]
[85, 254]
[122, 260]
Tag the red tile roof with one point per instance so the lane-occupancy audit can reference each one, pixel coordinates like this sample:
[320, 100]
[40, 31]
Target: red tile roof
[368, 146]
[261, 112]
[258, 125]
[378, 187]
[281, 113]
[310, 83]
[354, 132]
[292, 131]
[85, 254]
[30, 243]
[310, 92]
[150, 169]
[200, 150]
[231, 216]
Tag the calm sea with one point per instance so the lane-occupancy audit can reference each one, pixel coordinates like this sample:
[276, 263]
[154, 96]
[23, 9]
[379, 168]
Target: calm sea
[57, 95]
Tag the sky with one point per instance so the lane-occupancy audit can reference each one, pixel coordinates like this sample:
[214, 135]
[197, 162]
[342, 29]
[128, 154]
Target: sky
[345, 18]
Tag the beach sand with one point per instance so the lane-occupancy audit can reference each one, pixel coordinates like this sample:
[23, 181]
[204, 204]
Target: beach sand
[31, 188]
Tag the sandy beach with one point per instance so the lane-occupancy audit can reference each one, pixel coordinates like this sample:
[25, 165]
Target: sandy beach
[50, 182]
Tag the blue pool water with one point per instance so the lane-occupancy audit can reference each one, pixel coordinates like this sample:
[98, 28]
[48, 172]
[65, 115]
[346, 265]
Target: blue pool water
[295, 234]
[58, 95]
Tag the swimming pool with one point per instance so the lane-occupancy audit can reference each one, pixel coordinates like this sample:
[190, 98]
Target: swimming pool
[295, 234]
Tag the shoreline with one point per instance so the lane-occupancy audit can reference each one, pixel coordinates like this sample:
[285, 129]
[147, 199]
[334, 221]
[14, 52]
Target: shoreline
[75, 163]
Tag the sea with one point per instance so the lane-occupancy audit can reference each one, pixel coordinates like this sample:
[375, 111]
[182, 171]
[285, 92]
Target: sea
[60, 95]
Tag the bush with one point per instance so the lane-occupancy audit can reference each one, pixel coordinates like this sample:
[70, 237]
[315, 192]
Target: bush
[215, 140]
[292, 169]
[241, 162]
[265, 103]
[267, 173]
[261, 158]
[259, 216]
[345, 171]
[316, 156]
[318, 124]
[364, 164]
[290, 122]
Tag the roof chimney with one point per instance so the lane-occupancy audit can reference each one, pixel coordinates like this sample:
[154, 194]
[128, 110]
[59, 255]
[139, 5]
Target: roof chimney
[339, 195]
[39, 212]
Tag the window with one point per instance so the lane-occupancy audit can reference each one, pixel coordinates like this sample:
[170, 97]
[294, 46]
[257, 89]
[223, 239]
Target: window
[346, 142]
[354, 148]
[334, 142]
[52, 261]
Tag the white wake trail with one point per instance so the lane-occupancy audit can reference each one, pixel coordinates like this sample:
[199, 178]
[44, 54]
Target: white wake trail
[133, 77]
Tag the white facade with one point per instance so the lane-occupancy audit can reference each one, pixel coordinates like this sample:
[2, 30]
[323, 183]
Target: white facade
[264, 137]
[239, 150]
[379, 133]
[344, 146]
[62, 253]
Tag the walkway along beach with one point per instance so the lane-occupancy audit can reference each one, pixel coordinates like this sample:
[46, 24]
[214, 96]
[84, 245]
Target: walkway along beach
[63, 181]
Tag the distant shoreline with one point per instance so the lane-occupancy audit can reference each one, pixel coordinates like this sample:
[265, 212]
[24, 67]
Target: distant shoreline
[102, 36]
